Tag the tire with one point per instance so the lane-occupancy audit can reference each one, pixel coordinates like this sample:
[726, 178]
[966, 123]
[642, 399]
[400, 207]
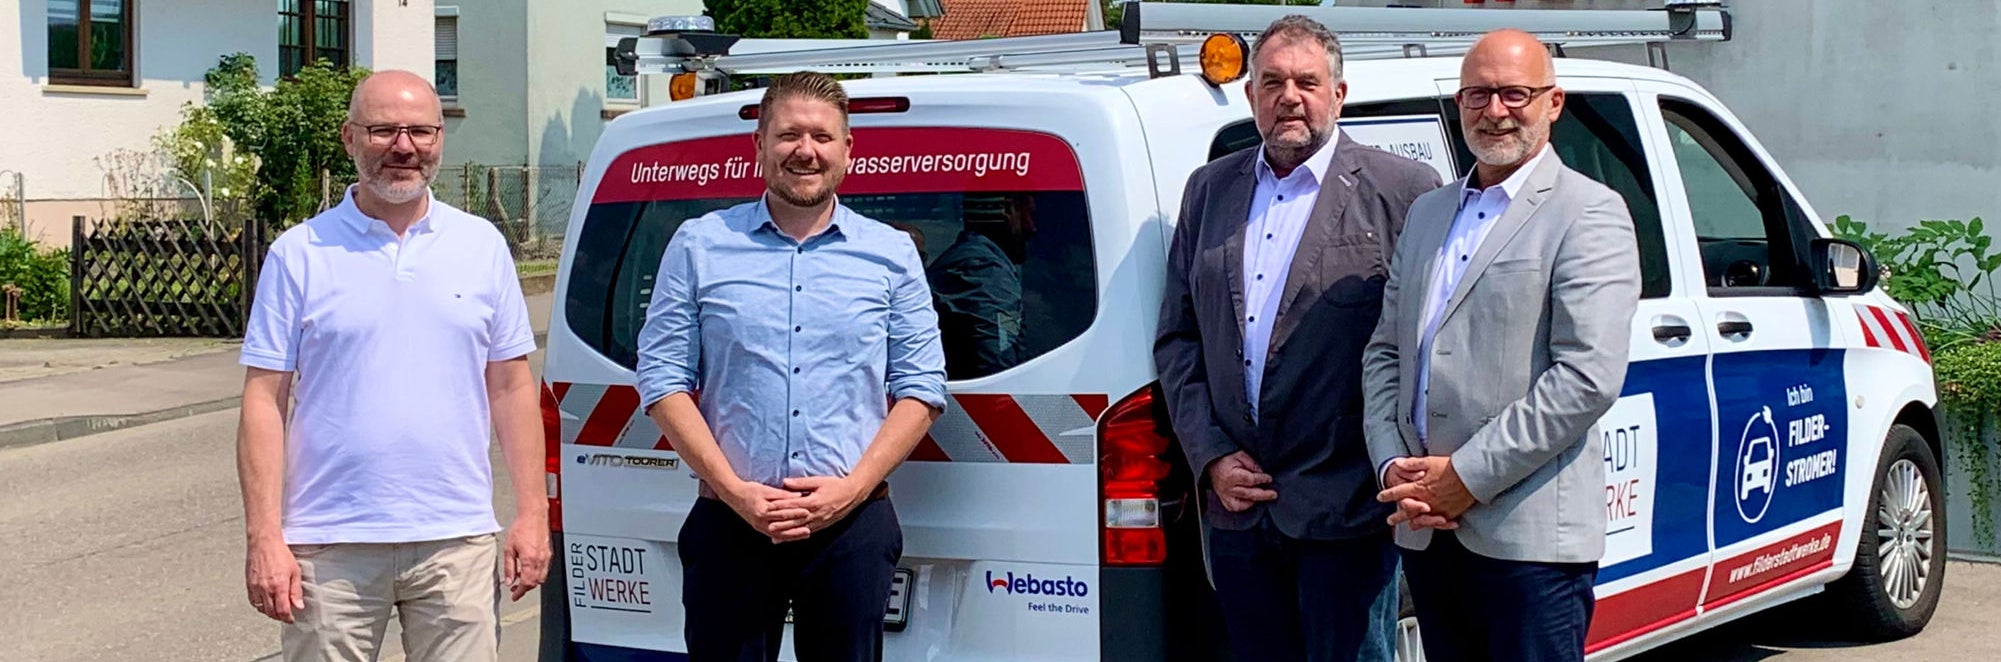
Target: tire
[1899, 569]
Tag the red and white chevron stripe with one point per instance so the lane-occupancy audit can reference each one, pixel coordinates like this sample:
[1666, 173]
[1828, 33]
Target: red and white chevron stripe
[980, 427]
[1885, 328]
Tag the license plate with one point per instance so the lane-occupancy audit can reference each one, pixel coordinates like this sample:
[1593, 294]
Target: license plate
[898, 615]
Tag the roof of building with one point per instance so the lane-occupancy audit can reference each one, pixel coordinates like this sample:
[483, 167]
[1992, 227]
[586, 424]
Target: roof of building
[975, 19]
[884, 18]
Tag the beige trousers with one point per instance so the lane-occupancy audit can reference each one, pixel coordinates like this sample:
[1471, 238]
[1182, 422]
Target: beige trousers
[447, 593]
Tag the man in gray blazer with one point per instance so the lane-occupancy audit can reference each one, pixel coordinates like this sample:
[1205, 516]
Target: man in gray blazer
[1274, 281]
[1503, 339]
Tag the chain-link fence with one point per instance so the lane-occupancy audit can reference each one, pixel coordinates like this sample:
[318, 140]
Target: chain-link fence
[530, 204]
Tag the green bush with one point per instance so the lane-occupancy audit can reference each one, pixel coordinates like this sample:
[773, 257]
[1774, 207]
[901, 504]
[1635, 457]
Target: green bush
[41, 273]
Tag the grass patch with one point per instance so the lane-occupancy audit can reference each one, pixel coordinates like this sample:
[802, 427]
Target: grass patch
[535, 267]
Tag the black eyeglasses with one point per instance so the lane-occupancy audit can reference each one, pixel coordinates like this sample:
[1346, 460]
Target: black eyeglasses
[1511, 96]
[420, 134]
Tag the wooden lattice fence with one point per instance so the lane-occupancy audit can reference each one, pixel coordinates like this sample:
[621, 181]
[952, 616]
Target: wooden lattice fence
[162, 278]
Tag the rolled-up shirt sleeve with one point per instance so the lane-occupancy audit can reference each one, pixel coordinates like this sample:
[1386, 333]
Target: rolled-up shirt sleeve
[670, 342]
[916, 353]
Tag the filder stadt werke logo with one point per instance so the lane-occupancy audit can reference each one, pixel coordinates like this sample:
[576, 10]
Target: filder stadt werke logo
[1067, 587]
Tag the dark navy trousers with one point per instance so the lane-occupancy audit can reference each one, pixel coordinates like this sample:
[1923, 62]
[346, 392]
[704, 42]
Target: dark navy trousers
[1473, 608]
[736, 586]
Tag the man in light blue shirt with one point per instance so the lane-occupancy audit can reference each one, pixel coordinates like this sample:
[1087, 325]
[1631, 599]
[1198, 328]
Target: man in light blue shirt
[809, 333]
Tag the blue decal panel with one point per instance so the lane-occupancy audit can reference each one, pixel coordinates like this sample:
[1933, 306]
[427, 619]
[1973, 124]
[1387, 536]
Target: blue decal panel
[1781, 436]
[1657, 447]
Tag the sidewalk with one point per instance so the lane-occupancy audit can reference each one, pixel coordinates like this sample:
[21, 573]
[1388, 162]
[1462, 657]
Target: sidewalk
[54, 389]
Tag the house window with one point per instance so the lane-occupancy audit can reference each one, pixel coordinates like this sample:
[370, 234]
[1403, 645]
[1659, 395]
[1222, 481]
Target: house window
[448, 57]
[312, 30]
[90, 42]
[619, 89]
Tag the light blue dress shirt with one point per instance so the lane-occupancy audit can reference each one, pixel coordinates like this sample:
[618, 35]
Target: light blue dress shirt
[1478, 210]
[1280, 210]
[795, 350]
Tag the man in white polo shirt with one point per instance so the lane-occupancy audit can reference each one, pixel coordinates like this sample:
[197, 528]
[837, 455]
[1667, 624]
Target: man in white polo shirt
[404, 324]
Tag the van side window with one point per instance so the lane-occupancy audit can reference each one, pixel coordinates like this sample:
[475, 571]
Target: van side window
[1011, 273]
[1743, 219]
[1596, 135]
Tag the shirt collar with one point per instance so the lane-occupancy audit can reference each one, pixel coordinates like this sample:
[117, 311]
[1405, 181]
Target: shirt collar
[362, 223]
[761, 218]
[1315, 166]
[1512, 186]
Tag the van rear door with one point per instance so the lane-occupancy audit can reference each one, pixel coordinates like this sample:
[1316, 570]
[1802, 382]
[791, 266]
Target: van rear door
[1013, 199]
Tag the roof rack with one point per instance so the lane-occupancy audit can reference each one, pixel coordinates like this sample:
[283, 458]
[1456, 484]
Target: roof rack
[1151, 34]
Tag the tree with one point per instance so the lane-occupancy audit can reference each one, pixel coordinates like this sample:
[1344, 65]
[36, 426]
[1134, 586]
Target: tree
[1115, 10]
[292, 130]
[791, 19]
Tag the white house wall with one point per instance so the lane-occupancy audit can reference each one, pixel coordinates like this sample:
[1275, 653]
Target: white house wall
[566, 87]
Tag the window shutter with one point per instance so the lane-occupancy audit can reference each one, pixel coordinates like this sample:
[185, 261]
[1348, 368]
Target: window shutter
[615, 31]
[448, 38]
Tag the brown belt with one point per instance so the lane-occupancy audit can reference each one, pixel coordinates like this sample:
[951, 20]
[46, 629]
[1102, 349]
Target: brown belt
[702, 489]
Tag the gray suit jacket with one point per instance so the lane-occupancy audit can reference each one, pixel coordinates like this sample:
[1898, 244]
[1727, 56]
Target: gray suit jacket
[1529, 353]
[1308, 436]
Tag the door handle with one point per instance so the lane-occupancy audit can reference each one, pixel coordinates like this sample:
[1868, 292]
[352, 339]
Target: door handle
[1734, 328]
[1668, 333]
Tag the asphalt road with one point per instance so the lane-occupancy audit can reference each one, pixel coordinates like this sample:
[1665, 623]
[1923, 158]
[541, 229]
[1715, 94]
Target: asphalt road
[129, 546]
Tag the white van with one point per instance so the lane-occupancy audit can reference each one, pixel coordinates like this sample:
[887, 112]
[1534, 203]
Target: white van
[1775, 439]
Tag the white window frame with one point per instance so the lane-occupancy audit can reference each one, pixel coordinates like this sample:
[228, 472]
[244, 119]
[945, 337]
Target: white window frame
[618, 26]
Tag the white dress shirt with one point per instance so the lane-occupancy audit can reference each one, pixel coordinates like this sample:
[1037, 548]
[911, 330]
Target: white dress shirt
[1280, 210]
[1478, 210]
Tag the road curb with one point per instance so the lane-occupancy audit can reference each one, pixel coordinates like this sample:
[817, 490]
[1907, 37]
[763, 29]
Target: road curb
[28, 433]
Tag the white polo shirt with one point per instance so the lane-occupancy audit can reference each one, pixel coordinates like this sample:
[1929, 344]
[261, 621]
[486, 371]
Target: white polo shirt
[390, 339]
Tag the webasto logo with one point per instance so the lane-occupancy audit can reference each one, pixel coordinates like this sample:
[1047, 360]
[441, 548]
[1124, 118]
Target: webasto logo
[1067, 587]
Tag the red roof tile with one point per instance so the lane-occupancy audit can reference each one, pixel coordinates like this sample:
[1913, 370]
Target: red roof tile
[974, 19]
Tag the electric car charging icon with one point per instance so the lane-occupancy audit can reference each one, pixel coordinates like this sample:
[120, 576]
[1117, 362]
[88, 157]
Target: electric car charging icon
[1757, 466]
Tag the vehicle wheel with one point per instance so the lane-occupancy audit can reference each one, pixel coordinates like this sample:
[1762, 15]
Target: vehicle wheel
[1900, 561]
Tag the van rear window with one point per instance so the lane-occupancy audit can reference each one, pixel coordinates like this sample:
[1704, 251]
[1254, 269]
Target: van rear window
[1000, 217]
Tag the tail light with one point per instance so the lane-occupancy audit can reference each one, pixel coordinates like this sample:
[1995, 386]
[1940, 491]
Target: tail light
[552, 450]
[1132, 437]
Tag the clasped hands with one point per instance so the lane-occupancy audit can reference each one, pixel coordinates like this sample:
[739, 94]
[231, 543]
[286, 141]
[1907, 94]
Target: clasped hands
[804, 506]
[1427, 492]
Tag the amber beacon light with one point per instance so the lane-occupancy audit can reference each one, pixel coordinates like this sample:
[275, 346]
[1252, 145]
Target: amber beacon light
[1223, 58]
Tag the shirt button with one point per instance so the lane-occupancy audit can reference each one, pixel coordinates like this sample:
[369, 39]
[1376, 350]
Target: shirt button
[1483, 214]
[795, 371]
[802, 249]
[1254, 318]
[1247, 363]
[1261, 276]
[797, 329]
[1281, 198]
[795, 413]
[796, 454]
[1267, 235]
[1462, 258]
[799, 288]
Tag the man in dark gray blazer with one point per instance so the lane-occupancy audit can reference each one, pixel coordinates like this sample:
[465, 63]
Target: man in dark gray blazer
[1505, 327]
[1274, 283]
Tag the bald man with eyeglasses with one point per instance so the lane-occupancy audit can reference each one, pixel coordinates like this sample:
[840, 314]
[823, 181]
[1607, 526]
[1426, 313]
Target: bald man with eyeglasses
[398, 323]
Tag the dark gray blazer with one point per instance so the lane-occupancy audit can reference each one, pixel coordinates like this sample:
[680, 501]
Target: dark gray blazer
[1309, 434]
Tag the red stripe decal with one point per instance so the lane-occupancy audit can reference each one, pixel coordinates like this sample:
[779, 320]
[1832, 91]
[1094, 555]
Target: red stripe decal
[1896, 339]
[1917, 338]
[1773, 565]
[1012, 432]
[928, 451]
[1094, 404]
[1868, 333]
[562, 389]
[1622, 617]
[610, 417]
[662, 444]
